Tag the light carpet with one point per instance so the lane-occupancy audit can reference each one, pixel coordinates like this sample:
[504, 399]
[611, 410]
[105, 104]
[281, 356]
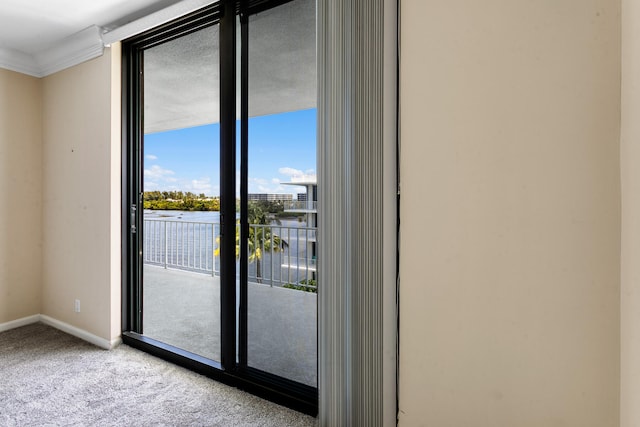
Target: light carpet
[49, 378]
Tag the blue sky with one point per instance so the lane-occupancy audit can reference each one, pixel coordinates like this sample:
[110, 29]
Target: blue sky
[282, 147]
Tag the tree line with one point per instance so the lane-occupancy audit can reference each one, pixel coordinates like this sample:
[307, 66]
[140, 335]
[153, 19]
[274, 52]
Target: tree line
[172, 195]
[188, 201]
[179, 201]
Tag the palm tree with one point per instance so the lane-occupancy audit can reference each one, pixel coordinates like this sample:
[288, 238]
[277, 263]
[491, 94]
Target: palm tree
[261, 239]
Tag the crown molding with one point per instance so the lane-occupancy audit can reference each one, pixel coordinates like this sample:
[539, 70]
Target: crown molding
[153, 20]
[89, 43]
[73, 50]
[19, 62]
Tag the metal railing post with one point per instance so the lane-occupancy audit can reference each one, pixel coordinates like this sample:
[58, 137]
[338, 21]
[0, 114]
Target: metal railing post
[271, 256]
[166, 248]
[213, 250]
[189, 246]
[289, 256]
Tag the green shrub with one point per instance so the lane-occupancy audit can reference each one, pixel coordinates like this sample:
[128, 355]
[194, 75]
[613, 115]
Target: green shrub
[304, 285]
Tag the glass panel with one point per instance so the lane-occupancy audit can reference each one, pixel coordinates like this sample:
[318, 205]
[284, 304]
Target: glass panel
[282, 298]
[181, 283]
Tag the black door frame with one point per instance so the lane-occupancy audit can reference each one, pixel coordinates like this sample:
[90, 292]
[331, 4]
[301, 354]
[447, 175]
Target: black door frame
[229, 370]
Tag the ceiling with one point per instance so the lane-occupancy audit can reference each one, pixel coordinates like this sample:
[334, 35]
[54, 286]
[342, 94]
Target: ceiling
[181, 77]
[41, 37]
[31, 26]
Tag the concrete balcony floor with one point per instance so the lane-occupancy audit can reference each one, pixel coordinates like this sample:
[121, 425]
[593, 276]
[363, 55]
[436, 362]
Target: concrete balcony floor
[183, 309]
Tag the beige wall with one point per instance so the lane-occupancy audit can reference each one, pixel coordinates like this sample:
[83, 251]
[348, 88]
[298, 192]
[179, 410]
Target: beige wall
[20, 196]
[81, 257]
[115, 228]
[630, 159]
[510, 214]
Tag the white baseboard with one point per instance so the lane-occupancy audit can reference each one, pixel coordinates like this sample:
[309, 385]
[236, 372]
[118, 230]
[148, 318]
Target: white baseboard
[19, 322]
[80, 333]
[64, 327]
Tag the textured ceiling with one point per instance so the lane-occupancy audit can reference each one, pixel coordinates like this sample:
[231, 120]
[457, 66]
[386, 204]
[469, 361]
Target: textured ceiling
[30, 26]
[39, 37]
[181, 77]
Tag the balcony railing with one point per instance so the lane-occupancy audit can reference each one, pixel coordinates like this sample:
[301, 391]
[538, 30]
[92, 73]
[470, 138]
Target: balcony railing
[279, 255]
[300, 205]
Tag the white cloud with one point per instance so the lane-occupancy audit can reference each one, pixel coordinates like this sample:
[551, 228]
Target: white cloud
[290, 171]
[158, 172]
[259, 181]
[151, 157]
[271, 186]
[202, 185]
[274, 185]
[297, 175]
[158, 178]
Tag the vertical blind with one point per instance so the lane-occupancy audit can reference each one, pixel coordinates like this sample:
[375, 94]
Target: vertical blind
[350, 148]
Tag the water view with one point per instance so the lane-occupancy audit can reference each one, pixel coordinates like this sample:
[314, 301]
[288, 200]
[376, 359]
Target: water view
[280, 251]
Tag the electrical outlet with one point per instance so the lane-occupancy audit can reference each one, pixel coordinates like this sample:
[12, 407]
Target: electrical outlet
[77, 306]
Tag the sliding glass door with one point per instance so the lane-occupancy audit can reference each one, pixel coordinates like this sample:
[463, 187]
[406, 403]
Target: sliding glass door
[220, 196]
[180, 163]
[281, 157]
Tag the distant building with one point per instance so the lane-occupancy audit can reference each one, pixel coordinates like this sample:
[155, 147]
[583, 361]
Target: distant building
[306, 203]
[269, 197]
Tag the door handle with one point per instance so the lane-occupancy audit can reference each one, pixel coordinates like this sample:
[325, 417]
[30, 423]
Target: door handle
[133, 219]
